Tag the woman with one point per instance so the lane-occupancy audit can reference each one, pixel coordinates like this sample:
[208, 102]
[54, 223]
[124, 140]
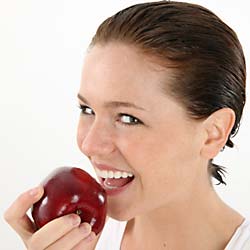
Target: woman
[162, 93]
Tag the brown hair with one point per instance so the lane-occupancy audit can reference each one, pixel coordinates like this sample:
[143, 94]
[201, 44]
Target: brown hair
[206, 53]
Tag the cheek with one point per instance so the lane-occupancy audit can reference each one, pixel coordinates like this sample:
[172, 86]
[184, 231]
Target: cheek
[172, 160]
[153, 147]
[162, 153]
[140, 152]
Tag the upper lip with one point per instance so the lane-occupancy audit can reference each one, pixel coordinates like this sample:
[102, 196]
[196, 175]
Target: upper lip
[102, 166]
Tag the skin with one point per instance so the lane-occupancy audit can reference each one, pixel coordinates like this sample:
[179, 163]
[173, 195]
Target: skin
[171, 197]
[171, 203]
[64, 233]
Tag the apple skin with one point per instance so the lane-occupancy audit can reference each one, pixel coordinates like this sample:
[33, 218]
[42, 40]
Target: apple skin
[71, 190]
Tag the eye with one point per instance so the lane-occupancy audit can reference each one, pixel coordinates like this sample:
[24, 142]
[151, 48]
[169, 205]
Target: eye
[85, 110]
[127, 119]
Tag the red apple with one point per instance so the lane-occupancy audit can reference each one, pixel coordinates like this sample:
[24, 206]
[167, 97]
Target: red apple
[71, 190]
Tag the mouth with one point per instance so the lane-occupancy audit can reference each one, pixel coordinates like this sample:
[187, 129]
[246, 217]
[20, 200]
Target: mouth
[114, 182]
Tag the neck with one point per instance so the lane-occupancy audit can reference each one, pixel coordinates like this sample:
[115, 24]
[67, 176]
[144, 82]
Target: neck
[200, 221]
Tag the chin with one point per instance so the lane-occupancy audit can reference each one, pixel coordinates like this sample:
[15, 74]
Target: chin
[120, 214]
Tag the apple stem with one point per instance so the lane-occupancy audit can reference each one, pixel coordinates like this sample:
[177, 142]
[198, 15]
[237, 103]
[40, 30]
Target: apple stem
[78, 212]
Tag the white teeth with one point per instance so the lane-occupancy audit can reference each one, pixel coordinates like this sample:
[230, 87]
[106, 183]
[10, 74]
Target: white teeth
[112, 174]
[124, 175]
[117, 175]
[105, 174]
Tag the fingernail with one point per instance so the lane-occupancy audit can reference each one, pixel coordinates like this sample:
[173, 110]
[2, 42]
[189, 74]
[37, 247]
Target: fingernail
[34, 191]
[75, 219]
[85, 228]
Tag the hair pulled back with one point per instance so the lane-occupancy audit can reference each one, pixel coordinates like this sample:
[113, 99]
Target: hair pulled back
[209, 63]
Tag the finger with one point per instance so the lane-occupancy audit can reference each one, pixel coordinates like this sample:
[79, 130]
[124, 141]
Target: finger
[88, 243]
[72, 238]
[16, 216]
[53, 231]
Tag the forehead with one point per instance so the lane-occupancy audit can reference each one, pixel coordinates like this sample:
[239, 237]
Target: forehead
[117, 72]
[122, 70]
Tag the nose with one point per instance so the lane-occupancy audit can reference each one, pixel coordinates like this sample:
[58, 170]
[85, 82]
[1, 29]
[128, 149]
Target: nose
[97, 140]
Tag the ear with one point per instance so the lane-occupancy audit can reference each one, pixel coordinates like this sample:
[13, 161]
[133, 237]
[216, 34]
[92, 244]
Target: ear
[217, 129]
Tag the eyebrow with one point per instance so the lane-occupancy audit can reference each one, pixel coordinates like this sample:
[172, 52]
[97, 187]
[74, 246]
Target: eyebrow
[113, 104]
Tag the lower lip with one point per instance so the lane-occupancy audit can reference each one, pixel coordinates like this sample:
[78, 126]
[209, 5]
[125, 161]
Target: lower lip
[115, 191]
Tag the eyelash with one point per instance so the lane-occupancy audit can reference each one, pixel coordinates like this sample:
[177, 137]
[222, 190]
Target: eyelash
[83, 108]
[136, 121]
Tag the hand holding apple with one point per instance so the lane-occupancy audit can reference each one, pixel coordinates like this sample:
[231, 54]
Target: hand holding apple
[71, 190]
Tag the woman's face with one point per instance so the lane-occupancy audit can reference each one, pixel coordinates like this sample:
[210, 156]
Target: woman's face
[129, 124]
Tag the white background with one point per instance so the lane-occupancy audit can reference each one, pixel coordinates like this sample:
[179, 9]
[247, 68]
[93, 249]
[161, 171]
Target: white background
[42, 44]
